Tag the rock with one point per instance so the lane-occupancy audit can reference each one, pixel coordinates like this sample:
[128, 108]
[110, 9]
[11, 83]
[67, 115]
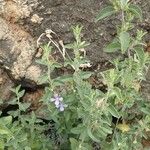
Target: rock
[34, 98]
[5, 85]
[13, 10]
[36, 19]
[17, 52]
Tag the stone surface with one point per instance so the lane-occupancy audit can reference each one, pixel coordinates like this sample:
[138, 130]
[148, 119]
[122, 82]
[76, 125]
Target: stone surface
[5, 85]
[17, 49]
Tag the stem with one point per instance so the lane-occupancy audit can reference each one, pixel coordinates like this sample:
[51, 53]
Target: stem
[122, 28]
[123, 19]
[131, 47]
[18, 103]
[63, 54]
[49, 78]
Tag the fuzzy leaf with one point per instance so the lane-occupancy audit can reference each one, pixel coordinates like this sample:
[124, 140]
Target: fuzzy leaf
[90, 134]
[6, 120]
[77, 130]
[64, 78]
[124, 38]
[85, 75]
[101, 133]
[105, 12]
[118, 93]
[74, 144]
[145, 110]
[2, 144]
[113, 111]
[140, 54]
[21, 93]
[27, 148]
[24, 106]
[112, 47]
[106, 129]
[124, 3]
[136, 10]
[4, 130]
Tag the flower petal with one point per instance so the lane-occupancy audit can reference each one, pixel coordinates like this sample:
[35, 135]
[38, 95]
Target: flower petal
[57, 106]
[61, 108]
[57, 102]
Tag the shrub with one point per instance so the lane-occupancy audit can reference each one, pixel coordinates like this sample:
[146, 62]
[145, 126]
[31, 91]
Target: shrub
[82, 117]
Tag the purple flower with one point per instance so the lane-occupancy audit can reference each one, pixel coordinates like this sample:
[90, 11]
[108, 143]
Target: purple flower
[58, 102]
[56, 99]
[62, 106]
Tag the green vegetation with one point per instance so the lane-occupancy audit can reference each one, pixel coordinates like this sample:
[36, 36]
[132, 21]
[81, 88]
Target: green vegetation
[81, 117]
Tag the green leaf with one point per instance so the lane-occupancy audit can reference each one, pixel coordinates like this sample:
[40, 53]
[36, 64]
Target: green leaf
[77, 130]
[23, 137]
[140, 54]
[112, 47]
[105, 12]
[21, 93]
[43, 79]
[56, 65]
[124, 38]
[90, 134]
[84, 135]
[18, 88]
[77, 145]
[136, 10]
[4, 130]
[101, 133]
[85, 75]
[113, 111]
[83, 44]
[69, 46]
[64, 78]
[117, 92]
[74, 144]
[60, 81]
[24, 106]
[2, 144]
[27, 148]
[6, 120]
[124, 3]
[106, 129]
[106, 120]
[145, 110]
[68, 116]
[77, 30]
[13, 113]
